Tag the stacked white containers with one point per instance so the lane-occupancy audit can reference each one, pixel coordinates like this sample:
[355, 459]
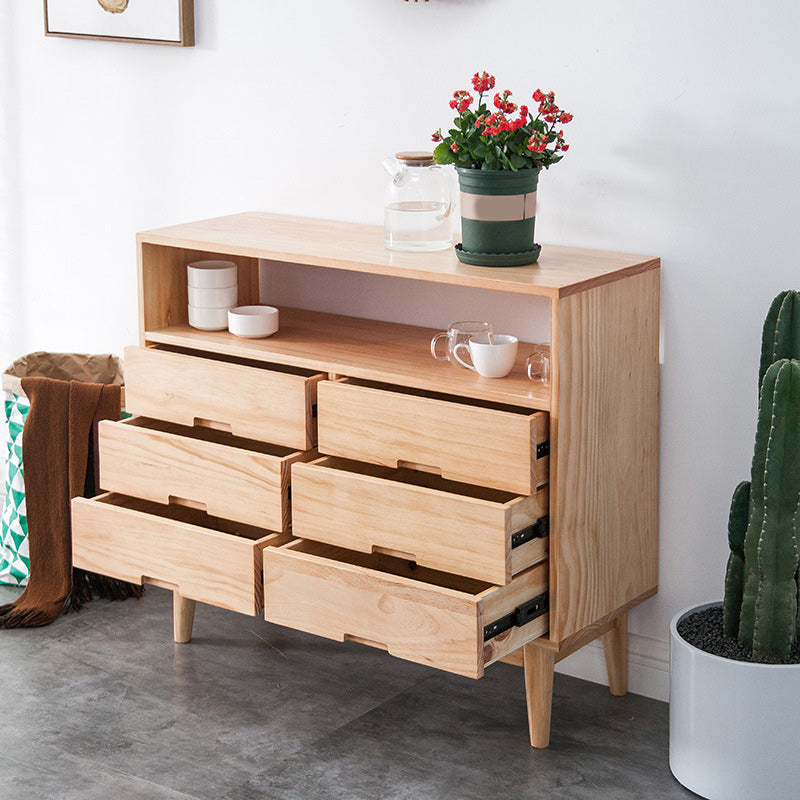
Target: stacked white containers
[213, 291]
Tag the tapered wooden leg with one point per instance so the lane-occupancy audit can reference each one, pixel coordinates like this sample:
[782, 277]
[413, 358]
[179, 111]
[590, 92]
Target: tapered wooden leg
[615, 646]
[182, 617]
[539, 663]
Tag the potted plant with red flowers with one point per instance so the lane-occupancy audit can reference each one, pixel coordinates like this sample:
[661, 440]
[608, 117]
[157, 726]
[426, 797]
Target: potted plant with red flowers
[498, 155]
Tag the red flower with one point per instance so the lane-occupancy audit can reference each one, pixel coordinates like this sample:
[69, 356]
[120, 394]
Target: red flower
[537, 143]
[495, 124]
[483, 82]
[461, 101]
[497, 128]
[547, 103]
[504, 104]
[565, 147]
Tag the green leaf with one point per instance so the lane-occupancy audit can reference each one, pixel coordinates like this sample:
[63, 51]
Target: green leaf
[442, 154]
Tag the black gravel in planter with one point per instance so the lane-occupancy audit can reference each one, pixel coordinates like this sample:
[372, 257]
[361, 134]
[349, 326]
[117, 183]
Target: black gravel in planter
[703, 630]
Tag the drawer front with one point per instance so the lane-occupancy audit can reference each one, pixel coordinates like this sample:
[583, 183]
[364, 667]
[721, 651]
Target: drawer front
[468, 442]
[238, 479]
[417, 614]
[452, 527]
[253, 402]
[127, 538]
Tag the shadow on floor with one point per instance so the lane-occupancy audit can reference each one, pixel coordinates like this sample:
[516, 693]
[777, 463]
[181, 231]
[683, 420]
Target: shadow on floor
[103, 704]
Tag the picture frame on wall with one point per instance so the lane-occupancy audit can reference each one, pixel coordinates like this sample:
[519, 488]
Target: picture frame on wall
[169, 22]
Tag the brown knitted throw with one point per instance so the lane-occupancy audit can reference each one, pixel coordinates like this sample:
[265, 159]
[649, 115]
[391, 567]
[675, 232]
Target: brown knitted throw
[58, 450]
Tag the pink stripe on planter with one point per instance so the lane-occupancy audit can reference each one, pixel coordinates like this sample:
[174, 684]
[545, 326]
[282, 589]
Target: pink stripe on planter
[530, 205]
[498, 207]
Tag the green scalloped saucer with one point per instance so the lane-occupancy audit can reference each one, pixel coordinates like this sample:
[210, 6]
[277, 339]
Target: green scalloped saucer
[498, 259]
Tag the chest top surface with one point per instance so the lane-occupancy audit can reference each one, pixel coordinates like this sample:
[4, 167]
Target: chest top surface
[560, 271]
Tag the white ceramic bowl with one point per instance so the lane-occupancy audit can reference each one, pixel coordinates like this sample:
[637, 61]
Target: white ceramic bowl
[253, 322]
[208, 319]
[212, 274]
[224, 297]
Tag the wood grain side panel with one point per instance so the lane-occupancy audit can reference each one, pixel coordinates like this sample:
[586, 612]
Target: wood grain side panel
[604, 486]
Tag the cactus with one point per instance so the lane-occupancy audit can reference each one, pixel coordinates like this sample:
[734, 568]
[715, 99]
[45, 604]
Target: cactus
[734, 575]
[781, 334]
[769, 609]
[762, 580]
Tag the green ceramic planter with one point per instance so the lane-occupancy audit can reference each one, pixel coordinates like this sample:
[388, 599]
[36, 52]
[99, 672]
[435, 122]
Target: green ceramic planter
[498, 216]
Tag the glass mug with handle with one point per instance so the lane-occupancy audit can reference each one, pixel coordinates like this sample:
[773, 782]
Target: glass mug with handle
[457, 332]
[538, 363]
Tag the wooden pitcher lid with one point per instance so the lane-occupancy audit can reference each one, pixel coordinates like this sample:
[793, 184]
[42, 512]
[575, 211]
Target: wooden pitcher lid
[415, 158]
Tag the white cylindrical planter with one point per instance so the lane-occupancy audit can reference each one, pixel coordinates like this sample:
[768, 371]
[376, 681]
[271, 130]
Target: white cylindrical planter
[734, 727]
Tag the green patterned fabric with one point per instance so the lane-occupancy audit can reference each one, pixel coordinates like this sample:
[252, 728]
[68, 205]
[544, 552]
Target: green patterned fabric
[14, 567]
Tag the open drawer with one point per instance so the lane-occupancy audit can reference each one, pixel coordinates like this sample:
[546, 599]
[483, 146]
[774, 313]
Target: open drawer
[250, 399]
[452, 623]
[462, 439]
[456, 527]
[207, 559]
[239, 479]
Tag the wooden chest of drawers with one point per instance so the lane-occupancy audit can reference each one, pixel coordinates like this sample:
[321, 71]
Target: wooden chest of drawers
[366, 492]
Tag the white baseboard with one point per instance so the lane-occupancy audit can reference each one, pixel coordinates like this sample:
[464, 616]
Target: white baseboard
[648, 666]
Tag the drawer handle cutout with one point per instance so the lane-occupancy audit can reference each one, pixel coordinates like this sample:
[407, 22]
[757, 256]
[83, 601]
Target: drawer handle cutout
[387, 551]
[174, 500]
[419, 467]
[199, 422]
[349, 637]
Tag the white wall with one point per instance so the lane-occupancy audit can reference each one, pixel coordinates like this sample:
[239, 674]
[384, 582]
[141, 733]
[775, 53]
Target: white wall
[685, 144]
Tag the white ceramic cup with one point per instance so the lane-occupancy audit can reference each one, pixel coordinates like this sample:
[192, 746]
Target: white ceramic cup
[493, 354]
[208, 319]
[253, 322]
[212, 274]
[222, 297]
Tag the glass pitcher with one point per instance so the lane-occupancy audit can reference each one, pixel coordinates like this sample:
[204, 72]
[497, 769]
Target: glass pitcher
[418, 204]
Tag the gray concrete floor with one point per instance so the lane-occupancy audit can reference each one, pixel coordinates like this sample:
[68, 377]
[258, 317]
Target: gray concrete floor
[102, 704]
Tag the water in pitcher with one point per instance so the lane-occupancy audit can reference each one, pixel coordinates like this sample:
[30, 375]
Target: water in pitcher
[417, 226]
